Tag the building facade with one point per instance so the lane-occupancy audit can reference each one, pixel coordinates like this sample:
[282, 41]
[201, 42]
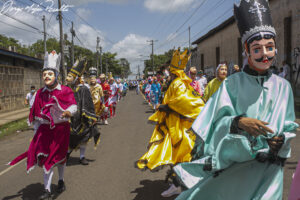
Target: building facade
[223, 43]
[17, 74]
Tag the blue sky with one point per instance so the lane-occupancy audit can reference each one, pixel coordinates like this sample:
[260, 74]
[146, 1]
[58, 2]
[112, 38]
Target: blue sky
[124, 26]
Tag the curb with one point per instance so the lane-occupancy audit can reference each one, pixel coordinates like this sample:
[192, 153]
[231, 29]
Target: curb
[8, 118]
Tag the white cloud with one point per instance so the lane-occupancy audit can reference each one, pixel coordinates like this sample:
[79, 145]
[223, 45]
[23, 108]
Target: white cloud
[171, 36]
[168, 5]
[131, 47]
[85, 33]
[88, 36]
[13, 28]
[84, 13]
[81, 2]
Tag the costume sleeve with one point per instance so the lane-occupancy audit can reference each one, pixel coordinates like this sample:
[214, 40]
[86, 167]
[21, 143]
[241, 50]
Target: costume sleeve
[289, 125]
[206, 94]
[88, 110]
[184, 100]
[72, 109]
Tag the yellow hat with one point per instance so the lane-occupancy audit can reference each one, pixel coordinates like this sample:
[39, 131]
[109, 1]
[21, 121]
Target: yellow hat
[179, 61]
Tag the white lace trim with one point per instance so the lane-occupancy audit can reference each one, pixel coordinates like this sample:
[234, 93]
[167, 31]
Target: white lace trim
[257, 29]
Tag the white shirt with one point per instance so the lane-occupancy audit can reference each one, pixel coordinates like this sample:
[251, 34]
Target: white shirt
[281, 74]
[286, 71]
[202, 82]
[30, 98]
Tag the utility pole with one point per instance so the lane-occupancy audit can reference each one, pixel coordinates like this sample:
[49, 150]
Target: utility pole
[139, 72]
[101, 59]
[45, 36]
[62, 62]
[97, 55]
[190, 61]
[152, 44]
[106, 68]
[72, 47]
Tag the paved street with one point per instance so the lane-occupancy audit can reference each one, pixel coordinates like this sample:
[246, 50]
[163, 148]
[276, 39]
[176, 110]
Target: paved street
[110, 174]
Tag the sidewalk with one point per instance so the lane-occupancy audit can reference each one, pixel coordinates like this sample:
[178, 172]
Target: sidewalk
[13, 116]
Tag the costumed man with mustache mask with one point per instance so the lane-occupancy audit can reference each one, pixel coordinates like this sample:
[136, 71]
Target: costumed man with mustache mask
[54, 104]
[83, 121]
[245, 129]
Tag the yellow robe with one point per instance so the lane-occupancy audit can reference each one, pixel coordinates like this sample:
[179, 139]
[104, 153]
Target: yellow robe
[97, 96]
[171, 142]
[211, 88]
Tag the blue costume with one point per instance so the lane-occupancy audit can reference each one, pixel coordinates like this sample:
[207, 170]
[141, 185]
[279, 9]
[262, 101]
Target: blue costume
[155, 93]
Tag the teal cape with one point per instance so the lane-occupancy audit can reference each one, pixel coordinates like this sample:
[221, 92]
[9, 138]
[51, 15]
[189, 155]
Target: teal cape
[268, 98]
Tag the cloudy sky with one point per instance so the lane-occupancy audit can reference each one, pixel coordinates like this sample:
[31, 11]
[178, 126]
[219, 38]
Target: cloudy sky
[124, 26]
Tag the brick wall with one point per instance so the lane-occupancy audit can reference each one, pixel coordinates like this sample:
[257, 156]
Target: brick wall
[15, 82]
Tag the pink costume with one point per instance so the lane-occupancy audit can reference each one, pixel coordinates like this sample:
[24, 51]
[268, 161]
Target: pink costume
[113, 98]
[196, 85]
[295, 190]
[50, 143]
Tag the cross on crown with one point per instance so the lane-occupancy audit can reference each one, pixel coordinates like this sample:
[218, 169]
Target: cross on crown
[257, 7]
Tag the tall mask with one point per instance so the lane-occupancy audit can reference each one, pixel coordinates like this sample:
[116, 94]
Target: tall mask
[49, 77]
[257, 32]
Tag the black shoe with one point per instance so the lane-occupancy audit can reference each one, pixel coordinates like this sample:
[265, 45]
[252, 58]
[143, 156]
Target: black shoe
[61, 186]
[83, 161]
[46, 195]
[68, 156]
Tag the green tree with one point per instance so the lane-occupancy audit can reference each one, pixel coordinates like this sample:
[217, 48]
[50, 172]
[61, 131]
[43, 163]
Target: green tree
[159, 60]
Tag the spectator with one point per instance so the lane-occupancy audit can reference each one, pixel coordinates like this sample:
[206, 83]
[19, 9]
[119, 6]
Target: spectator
[214, 84]
[286, 70]
[274, 69]
[30, 96]
[202, 81]
[236, 69]
[281, 73]
[195, 84]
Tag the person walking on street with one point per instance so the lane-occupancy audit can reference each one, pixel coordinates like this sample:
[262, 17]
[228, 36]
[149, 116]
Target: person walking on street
[30, 97]
[50, 113]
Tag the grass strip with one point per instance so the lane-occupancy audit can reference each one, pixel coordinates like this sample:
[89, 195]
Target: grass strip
[12, 127]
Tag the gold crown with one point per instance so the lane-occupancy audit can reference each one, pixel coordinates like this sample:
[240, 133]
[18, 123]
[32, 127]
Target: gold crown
[179, 61]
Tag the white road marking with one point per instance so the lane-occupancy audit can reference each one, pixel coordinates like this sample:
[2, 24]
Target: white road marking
[11, 167]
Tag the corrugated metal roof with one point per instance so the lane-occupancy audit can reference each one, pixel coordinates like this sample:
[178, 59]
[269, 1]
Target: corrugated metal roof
[20, 56]
[215, 30]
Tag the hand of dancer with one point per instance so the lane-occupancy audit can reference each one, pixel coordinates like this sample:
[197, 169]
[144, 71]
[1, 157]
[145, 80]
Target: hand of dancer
[163, 108]
[66, 114]
[253, 126]
[275, 143]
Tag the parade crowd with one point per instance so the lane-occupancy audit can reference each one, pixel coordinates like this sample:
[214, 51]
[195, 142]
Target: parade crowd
[223, 139]
[229, 137]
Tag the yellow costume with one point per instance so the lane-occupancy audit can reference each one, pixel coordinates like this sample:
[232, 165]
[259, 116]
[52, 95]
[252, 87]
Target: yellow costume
[211, 88]
[97, 95]
[171, 143]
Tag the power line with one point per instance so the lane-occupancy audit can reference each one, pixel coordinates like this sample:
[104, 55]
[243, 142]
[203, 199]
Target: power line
[161, 21]
[75, 35]
[191, 15]
[170, 23]
[200, 19]
[19, 28]
[22, 22]
[218, 4]
[90, 25]
[226, 12]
